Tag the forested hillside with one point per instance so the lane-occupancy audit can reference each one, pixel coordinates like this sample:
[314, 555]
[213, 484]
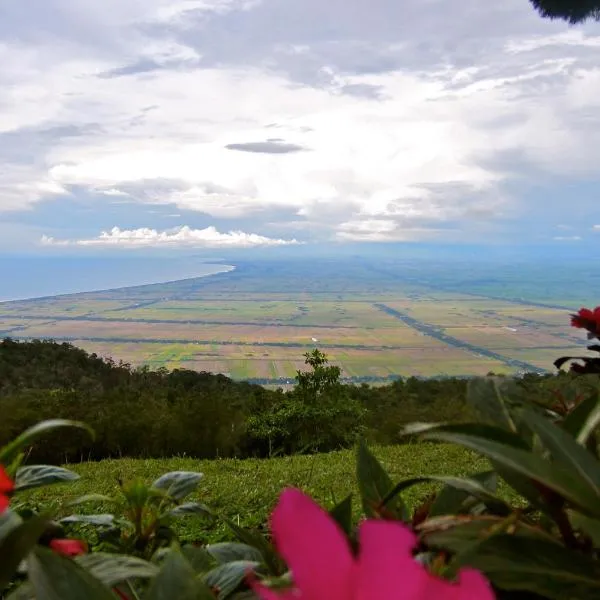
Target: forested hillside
[137, 412]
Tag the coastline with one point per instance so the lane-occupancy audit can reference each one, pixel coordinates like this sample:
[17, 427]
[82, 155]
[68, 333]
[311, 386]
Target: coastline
[71, 288]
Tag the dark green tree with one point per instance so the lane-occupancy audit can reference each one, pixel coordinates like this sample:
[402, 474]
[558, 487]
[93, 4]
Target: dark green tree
[572, 11]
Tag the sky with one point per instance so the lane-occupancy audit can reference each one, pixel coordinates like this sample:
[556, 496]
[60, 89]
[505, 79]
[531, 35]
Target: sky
[185, 124]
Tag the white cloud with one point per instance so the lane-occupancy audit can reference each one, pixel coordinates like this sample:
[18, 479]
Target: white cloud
[181, 237]
[391, 120]
[596, 227]
[567, 238]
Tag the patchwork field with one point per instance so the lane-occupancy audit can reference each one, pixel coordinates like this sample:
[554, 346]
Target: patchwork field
[257, 322]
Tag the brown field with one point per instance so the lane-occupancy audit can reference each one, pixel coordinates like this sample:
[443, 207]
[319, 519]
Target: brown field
[261, 334]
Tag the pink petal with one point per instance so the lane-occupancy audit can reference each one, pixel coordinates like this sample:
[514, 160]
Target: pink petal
[267, 593]
[387, 569]
[314, 548]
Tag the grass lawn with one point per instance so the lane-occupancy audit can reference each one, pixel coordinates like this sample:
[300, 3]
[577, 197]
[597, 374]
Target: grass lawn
[246, 490]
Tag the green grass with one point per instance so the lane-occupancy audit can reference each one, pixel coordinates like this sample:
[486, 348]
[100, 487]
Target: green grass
[246, 490]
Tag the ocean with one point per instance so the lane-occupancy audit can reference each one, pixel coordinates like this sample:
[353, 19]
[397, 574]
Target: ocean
[34, 277]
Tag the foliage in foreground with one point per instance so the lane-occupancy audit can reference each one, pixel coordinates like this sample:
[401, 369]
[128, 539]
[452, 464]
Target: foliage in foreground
[546, 545]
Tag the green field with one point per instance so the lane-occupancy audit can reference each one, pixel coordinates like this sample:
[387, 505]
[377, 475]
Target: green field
[246, 490]
[256, 322]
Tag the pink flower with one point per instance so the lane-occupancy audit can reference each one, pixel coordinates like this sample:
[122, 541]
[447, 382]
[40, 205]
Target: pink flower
[68, 547]
[324, 568]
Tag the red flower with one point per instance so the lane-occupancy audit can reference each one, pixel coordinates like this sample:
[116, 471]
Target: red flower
[6, 487]
[68, 547]
[587, 319]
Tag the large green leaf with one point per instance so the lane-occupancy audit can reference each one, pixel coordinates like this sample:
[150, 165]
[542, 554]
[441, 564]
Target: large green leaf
[10, 451]
[226, 552]
[9, 520]
[487, 396]
[178, 484]
[111, 569]
[38, 475]
[226, 578]
[537, 566]
[589, 526]
[492, 442]
[342, 514]
[582, 421]
[176, 580]
[56, 577]
[19, 542]
[375, 485]
[199, 558]
[452, 497]
[458, 533]
[567, 452]
[258, 541]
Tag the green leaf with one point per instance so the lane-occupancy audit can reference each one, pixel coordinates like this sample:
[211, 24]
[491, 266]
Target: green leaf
[456, 498]
[258, 541]
[9, 520]
[178, 484]
[567, 452]
[38, 475]
[104, 520]
[452, 497]
[589, 526]
[199, 558]
[375, 485]
[176, 580]
[92, 498]
[342, 514]
[228, 577]
[491, 442]
[18, 544]
[485, 394]
[537, 566]
[11, 450]
[231, 551]
[111, 569]
[584, 419]
[191, 508]
[56, 577]
[458, 533]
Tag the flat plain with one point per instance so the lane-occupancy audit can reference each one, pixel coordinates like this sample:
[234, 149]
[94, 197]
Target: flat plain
[375, 319]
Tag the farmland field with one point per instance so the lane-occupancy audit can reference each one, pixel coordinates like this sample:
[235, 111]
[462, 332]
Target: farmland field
[376, 320]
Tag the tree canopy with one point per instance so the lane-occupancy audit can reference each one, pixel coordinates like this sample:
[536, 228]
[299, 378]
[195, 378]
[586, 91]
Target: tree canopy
[573, 11]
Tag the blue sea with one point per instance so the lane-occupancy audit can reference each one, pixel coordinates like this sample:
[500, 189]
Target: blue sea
[35, 277]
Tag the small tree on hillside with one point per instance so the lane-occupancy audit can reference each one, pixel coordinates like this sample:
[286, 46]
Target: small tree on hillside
[573, 11]
[318, 415]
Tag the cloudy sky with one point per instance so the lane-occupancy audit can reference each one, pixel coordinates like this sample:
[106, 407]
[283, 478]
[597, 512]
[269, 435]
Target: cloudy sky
[224, 123]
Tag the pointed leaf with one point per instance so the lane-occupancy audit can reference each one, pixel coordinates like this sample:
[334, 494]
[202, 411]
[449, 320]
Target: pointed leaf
[111, 569]
[226, 552]
[258, 541]
[589, 526]
[226, 578]
[18, 544]
[567, 452]
[199, 558]
[10, 451]
[177, 580]
[9, 520]
[178, 484]
[56, 577]
[544, 568]
[486, 395]
[584, 419]
[517, 460]
[104, 520]
[38, 475]
[342, 514]
[92, 498]
[374, 485]
[191, 508]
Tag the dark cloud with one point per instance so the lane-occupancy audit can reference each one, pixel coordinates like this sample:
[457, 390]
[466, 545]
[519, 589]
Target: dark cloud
[144, 65]
[271, 146]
